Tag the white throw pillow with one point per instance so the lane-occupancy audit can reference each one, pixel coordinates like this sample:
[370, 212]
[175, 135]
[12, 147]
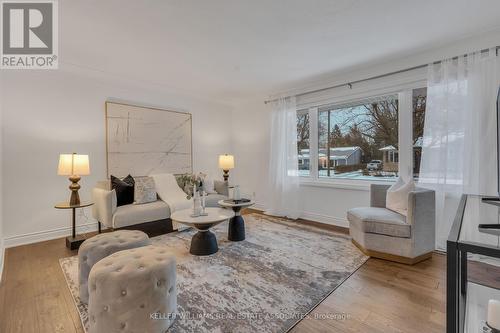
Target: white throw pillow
[209, 186]
[397, 196]
[144, 190]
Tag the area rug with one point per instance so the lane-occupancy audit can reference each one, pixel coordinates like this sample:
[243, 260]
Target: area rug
[265, 283]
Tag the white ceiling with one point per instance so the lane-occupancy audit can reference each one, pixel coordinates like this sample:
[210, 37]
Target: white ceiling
[229, 49]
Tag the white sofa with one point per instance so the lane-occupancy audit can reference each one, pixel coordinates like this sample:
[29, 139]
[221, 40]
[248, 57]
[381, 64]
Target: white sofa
[141, 216]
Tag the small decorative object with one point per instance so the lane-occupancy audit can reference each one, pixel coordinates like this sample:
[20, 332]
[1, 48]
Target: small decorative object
[226, 162]
[203, 203]
[232, 201]
[74, 166]
[196, 203]
[236, 193]
[493, 321]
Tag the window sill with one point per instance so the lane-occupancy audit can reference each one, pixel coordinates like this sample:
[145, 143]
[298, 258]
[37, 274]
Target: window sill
[356, 185]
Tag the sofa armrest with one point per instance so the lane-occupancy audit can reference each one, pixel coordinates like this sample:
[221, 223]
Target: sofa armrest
[378, 194]
[422, 217]
[104, 205]
[221, 187]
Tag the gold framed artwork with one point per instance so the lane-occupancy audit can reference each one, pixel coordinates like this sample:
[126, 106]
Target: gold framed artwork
[143, 140]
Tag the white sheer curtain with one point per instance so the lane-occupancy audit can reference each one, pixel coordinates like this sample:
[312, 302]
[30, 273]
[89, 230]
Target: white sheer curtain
[459, 144]
[283, 160]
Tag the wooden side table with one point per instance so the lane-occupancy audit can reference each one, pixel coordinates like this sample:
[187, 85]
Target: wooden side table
[73, 242]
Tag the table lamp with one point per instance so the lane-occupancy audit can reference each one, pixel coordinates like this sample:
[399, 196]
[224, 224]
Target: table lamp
[226, 162]
[74, 166]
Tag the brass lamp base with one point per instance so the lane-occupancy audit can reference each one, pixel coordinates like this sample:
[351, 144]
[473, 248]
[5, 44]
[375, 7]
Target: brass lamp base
[225, 175]
[74, 200]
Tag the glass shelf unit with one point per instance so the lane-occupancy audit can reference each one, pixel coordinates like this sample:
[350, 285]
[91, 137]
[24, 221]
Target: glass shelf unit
[473, 264]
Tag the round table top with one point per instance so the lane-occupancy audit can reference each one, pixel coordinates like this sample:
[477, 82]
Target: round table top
[241, 204]
[214, 215]
[66, 205]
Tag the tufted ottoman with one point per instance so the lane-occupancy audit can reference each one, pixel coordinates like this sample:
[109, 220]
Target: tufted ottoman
[133, 291]
[101, 246]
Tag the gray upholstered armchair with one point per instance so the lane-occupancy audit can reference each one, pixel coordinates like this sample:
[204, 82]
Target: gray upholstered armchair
[383, 233]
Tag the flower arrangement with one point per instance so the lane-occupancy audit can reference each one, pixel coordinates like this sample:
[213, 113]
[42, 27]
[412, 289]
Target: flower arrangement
[187, 181]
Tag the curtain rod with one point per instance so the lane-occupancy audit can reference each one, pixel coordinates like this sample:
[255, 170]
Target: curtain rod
[349, 84]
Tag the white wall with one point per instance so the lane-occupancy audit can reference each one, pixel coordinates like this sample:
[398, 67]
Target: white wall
[2, 248]
[251, 130]
[51, 112]
[325, 202]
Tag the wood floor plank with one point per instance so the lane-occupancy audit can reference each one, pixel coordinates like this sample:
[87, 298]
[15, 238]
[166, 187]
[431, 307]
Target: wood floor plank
[386, 297]
[380, 297]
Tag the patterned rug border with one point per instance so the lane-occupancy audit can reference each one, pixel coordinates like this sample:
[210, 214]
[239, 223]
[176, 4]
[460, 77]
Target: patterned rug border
[312, 228]
[324, 298]
[69, 289]
[273, 219]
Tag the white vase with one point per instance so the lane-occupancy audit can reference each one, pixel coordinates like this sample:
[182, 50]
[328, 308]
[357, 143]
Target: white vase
[197, 209]
[236, 192]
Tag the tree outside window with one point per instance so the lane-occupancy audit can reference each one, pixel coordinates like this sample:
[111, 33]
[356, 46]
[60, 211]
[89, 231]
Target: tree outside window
[360, 140]
[303, 144]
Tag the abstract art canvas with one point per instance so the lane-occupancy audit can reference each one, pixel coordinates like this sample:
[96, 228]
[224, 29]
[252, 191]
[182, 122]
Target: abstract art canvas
[143, 141]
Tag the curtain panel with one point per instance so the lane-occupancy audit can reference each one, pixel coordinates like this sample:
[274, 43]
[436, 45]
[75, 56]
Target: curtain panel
[459, 142]
[283, 160]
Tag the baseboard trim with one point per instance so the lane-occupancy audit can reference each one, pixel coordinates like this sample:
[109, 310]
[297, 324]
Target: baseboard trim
[40, 236]
[2, 259]
[314, 217]
[326, 219]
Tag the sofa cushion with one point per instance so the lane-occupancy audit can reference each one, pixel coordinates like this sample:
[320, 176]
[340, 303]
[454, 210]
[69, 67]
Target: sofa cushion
[209, 186]
[381, 221]
[213, 199]
[221, 187]
[134, 214]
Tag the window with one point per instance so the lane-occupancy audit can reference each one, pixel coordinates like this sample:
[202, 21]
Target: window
[419, 99]
[359, 140]
[366, 139]
[303, 142]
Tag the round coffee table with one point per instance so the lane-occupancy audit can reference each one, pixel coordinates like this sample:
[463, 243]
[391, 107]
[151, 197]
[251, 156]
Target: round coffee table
[236, 230]
[204, 241]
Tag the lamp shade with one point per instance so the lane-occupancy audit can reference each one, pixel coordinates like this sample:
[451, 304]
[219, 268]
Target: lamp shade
[226, 162]
[73, 164]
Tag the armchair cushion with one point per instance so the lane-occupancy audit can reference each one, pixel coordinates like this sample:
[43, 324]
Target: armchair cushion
[376, 220]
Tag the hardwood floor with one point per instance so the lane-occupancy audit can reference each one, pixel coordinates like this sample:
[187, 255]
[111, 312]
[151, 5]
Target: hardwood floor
[382, 296]
[379, 297]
